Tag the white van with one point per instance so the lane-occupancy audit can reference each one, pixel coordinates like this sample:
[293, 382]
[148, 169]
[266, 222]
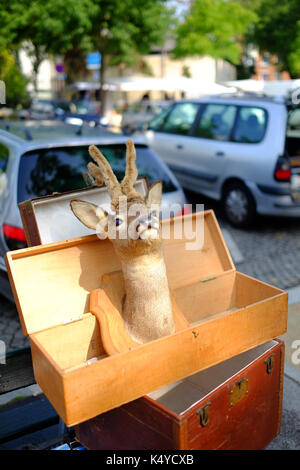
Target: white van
[233, 148]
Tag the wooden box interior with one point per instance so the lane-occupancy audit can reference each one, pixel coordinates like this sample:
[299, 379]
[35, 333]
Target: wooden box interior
[76, 344]
[53, 220]
[226, 310]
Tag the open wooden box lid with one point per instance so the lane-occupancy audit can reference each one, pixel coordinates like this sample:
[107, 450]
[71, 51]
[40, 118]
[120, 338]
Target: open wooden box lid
[49, 219]
[51, 283]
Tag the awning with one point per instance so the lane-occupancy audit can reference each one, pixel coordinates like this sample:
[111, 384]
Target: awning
[189, 85]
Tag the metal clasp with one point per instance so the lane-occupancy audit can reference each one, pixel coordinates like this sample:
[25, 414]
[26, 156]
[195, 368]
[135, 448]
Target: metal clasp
[238, 392]
[269, 363]
[203, 414]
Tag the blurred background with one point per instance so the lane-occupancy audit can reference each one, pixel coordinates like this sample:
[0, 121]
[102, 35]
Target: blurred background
[88, 58]
[210, 92]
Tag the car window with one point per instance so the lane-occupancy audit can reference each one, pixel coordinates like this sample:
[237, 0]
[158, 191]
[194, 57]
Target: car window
[4, 154]
[251, 125]
[294, 119]
[157, 122]
[216, 122]
[45, 171]
[180, 119]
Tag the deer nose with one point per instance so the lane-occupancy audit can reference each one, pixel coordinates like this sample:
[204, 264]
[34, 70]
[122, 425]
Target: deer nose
[146, 224]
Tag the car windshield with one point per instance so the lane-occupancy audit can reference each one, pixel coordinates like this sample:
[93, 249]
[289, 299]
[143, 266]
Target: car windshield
[60, 169]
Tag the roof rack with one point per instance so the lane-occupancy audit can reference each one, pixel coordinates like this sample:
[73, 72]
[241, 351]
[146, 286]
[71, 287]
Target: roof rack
[8, 126]
[240, 92]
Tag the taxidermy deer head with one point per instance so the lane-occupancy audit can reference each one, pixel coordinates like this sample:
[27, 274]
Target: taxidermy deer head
[134, 229]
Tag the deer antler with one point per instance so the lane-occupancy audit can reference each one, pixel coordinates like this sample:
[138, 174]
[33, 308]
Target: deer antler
[95, 173]
[104, 173]
[131, 173]
[93, 176]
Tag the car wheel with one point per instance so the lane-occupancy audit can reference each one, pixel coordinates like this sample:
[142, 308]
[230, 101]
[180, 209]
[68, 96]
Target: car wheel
[239, 205]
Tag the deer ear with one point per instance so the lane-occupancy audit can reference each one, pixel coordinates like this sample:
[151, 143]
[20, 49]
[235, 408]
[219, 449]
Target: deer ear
[89, 214]
[155, 194]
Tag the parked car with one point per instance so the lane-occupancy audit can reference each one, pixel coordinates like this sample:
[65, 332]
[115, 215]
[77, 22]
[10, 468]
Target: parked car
[233, 148]
[39, 109]
[37, 160]
[76, 111]
[140, 113]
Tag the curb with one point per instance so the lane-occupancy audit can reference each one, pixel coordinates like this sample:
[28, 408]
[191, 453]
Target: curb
[294, 295]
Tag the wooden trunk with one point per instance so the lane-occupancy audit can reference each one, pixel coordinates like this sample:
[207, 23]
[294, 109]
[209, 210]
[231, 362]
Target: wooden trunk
[235, 405]
[227, 313]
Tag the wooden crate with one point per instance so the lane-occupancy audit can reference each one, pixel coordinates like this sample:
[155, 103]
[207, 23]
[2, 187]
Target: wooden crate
[234, 405]
[228, 313]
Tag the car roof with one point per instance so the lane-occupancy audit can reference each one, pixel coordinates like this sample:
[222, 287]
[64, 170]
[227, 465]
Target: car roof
[249, 98]
[35, 134]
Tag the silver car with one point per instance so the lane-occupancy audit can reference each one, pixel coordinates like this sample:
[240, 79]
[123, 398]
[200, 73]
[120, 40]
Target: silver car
[42, 159]
[233, 148]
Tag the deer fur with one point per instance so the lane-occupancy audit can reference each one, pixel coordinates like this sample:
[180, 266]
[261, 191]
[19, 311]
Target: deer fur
[147, 308]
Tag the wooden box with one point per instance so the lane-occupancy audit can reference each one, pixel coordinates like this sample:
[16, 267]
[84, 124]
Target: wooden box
[228, 313]
[234, 405]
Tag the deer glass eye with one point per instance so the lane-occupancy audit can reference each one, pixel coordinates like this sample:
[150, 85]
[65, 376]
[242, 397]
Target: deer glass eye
[118, 222]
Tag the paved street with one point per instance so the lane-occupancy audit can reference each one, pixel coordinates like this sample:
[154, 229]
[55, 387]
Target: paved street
[270, 251]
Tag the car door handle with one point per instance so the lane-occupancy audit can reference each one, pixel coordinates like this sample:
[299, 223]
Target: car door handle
[179, 146]
[220, 154]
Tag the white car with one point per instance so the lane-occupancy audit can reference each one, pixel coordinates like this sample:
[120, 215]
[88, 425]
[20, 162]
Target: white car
[232, 148]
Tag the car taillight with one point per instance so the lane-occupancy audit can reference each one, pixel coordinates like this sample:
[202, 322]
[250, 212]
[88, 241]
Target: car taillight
[283, 170]
[184, 211]
[14, 237]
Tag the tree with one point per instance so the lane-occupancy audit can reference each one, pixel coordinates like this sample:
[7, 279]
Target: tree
[126, 29]
[121, 30]
[278, 32]
[15, 83]
[46, 27]
[215, 28]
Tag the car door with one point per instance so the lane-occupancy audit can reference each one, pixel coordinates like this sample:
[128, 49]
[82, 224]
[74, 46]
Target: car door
[209, 146]
[169, 135]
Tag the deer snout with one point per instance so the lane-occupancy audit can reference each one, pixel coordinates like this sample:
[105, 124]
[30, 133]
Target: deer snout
[144, 225]
[147, 228]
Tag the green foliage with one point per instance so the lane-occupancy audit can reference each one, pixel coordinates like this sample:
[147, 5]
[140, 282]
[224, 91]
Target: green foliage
[124, 28]
[215, 28]
[294, 53]
[15, 83]
[46, 27]
[278, 31]
[56, 25]
[121, 30]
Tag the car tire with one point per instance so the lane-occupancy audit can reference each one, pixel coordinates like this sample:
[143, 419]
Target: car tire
[239, 205]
